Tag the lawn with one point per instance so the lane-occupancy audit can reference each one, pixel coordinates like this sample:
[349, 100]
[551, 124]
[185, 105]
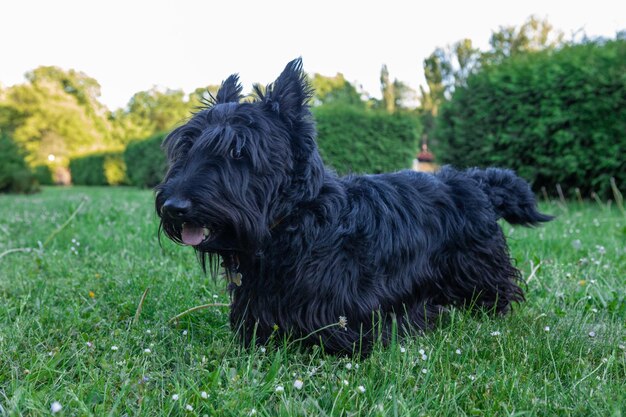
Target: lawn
[72, 338]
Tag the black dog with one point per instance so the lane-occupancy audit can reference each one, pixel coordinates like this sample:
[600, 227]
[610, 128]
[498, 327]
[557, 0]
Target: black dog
[328, 259]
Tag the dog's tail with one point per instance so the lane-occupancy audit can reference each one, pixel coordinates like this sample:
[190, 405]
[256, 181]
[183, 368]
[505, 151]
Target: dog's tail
[510, 196]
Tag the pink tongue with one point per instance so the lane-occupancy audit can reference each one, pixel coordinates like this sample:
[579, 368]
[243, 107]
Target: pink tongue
[192, 235]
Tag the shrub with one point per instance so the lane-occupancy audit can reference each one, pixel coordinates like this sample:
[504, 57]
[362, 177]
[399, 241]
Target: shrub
[557, 117]
[350, 140]
[364, 141]
[145, 161]
[102, 168]
[43, 174]
[15, 175]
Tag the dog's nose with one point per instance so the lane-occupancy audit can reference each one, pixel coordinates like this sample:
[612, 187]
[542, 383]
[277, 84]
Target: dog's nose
[175, 207]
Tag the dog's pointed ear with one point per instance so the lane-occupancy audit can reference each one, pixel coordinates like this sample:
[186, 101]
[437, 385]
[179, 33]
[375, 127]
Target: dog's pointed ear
[230, 90]
[288, 96]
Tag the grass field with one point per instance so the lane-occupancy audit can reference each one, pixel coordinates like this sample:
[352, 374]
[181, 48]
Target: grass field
[69, 341]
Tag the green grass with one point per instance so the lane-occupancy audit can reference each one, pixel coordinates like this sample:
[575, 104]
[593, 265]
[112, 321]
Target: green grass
[62, 310]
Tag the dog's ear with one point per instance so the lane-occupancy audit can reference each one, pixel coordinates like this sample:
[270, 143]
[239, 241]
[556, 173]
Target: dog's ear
[230, 90]
[289, 94]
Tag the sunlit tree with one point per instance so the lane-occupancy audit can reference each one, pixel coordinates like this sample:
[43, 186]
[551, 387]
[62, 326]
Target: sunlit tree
[334, 90]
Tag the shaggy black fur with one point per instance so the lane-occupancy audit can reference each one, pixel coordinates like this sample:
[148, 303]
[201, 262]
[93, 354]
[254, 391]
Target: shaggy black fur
[304, 247]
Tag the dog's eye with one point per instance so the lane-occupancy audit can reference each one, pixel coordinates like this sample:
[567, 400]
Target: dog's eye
[236, 153]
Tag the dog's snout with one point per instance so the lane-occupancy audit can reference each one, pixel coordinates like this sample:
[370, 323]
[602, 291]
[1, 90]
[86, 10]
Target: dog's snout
[176, 208]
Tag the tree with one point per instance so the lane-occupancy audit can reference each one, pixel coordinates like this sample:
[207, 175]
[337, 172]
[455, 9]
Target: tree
[55, 112]
[152, 111]
[387, 90]
[396, 95]
[202, 96]
[334, 90]
[533, 35]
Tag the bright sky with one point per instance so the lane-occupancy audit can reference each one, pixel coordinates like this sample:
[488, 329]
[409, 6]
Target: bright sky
[132, 45]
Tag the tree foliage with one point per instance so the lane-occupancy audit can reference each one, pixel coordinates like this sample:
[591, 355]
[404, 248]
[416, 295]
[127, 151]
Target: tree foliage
[554, 116]
[533, 35]
[55, 112]
[154, 110]
[334, 90]
[387, 90]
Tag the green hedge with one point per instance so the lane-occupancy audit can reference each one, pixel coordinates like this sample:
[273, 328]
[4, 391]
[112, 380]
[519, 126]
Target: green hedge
[350, 140]
[102, 168]
[353, 140]
[43, 174]
[145, 161]
[15, 175]
[556, 117]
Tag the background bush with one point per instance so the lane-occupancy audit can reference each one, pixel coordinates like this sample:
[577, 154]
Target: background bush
[43, 174]
[555, 117]
[15, 175]
[102, 168]
[145, 161]
[356, 140]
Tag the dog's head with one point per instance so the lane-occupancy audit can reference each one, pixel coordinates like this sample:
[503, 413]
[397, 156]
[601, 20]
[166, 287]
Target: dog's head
[238, 167]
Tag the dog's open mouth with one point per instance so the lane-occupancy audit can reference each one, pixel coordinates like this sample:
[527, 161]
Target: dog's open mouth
[194, 235]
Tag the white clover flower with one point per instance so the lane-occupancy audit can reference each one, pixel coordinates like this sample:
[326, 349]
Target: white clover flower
[298, 384]
[262, 349]
[592, 334]
[402, 349]
[55, 407]
[577, 244]
[189, 407]
[348, 366]
[421, 351]
[424, 370]
[361, 389]
[114, 348]
[175, 397]
[472, 377]
[146, 350]
[279, 389]
[89, 344]
[547, 328]
[496, 333]
[184, 332]
[204, 395]
[424, 357]
[458, 351]
[345, 382]
[253, 412]
[601, 249]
